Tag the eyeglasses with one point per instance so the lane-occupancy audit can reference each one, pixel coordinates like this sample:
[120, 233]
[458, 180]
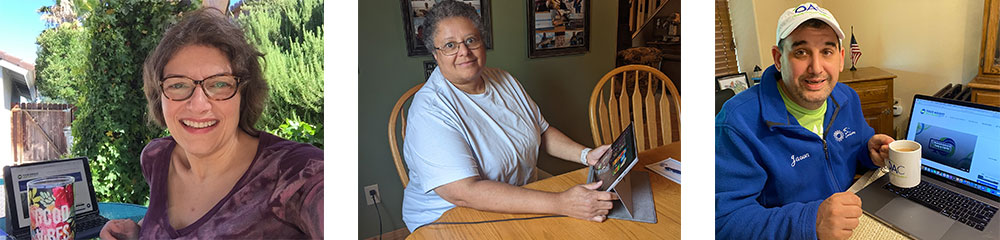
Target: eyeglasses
[218, 88]
[451, 48]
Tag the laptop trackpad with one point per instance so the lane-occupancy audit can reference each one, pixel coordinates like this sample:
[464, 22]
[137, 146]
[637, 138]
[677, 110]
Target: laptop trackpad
[915, 219]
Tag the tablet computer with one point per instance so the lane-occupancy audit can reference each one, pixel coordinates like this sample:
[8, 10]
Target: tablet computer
[617, 161]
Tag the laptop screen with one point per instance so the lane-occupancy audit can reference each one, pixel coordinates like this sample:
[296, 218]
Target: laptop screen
[20, 175]
[959, 141]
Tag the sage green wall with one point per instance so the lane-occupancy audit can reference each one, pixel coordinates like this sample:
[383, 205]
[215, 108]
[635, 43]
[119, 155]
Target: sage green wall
[560, 86]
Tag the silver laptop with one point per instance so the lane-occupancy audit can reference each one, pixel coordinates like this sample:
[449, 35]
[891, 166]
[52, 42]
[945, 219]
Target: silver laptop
[88, 219]
[958, 195]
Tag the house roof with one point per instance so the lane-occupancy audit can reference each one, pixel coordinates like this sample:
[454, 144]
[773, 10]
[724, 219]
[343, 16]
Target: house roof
[17, 61]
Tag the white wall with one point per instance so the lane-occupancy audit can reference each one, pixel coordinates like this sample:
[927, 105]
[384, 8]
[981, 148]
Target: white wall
[745, 34]
[6, 147]
[927, 44]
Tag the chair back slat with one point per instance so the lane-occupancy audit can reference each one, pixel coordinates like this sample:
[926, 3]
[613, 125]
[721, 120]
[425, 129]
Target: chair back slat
[602, 111]
[613, 111]
[641, 140]
[636, 93]
[650, 111]
[623, 106]
[399, 112]
[665, 105]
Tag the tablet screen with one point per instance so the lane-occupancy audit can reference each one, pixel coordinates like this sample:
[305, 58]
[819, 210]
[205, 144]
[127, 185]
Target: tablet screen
[617, 161]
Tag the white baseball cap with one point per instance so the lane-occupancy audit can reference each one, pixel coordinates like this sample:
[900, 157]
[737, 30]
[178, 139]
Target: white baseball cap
[792, 17]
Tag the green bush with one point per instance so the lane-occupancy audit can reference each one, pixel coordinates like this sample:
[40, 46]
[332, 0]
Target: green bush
[296, 130]
[110, 127]
[290, 34]
[61, 62]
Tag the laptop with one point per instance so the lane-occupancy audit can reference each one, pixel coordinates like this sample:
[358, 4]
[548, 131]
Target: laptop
[617, 161]
[958, 195]
[88, 218]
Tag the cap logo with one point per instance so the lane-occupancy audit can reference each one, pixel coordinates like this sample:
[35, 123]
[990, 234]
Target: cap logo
[803, 8]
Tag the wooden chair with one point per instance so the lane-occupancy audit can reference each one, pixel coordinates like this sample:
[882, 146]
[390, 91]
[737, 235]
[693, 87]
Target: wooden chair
[399, 112]
[636, 93]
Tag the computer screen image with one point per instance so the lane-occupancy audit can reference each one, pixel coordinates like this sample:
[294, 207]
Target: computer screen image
[960, 142]
[617, 160]
[23, 174]
[946, 146]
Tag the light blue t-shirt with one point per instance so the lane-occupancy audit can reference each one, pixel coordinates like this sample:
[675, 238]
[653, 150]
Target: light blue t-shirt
[452, 135]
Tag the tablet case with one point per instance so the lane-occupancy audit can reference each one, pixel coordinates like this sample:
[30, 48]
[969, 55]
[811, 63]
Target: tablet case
[635, 197]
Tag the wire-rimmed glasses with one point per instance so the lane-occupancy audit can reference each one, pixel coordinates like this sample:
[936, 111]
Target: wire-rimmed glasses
[451, 48]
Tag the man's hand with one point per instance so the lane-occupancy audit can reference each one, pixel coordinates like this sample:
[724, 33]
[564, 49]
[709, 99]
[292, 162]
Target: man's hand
[878, 148]
[596, 154]
[120, 229]
[838, 216]
[583, 202]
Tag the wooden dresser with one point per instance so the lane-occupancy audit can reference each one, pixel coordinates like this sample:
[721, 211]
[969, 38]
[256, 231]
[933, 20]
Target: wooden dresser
[986, 86]
[985, 92]
[874, 87]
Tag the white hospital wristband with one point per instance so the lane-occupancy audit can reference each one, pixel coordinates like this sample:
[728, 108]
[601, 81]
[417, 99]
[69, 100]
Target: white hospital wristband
[583, 156]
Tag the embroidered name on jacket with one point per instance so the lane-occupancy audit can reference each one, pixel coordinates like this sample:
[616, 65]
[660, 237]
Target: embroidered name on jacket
[796, 159]
[841, 134]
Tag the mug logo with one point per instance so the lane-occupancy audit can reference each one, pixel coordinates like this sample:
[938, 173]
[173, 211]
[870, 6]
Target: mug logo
[944, 146]
[796, 159]
[895, 169]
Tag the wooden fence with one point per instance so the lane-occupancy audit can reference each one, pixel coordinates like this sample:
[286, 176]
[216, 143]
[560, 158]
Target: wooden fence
[37, 131]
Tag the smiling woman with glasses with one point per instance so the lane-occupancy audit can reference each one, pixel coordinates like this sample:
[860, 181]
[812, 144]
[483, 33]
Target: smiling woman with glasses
[216, 176]
[473, 134]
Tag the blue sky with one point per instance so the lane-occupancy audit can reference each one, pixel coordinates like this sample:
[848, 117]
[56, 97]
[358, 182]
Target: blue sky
[20, 24]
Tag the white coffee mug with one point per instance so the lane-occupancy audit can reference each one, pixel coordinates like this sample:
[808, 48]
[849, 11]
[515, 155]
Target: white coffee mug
[904, 163]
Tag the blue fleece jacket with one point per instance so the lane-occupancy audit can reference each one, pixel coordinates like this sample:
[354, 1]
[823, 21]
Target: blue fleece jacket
[771, 173]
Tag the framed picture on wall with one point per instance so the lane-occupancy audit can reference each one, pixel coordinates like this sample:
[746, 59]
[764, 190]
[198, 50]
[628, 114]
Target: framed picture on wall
[558, 27]
[738, 82]
[413, 17]
[429, 67]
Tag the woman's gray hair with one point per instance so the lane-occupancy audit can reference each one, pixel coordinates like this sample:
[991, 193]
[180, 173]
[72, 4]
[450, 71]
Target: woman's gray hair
[446, 9]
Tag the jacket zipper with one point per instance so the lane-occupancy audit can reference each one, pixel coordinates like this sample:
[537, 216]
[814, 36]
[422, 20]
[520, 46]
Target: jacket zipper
[829, 167]
[826, 151]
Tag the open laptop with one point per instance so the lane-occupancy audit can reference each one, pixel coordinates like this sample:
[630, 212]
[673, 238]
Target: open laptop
[617, 161]
[958, 195]
[88, 218]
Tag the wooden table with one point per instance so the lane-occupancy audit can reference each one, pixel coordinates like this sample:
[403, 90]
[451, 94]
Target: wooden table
[666, 196]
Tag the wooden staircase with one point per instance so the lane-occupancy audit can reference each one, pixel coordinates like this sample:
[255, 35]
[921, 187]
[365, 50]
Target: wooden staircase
[642, 12]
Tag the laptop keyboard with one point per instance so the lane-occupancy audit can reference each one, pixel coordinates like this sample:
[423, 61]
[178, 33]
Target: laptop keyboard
[90, 222]
[964, 209]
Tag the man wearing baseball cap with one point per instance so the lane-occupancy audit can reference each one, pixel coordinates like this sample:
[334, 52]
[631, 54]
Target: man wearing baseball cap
[788, 148]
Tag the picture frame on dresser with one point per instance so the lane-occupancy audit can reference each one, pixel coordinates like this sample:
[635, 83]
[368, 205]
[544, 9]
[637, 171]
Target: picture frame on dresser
[737, 81]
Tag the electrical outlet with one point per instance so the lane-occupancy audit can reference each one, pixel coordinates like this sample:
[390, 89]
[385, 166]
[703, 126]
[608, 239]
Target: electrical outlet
[368, 196]
[895, 100]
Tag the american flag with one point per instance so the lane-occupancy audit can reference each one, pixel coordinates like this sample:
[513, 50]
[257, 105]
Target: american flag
[855, 51]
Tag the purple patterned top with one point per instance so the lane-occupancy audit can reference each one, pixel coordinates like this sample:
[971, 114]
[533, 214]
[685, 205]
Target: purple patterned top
[279, 197]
